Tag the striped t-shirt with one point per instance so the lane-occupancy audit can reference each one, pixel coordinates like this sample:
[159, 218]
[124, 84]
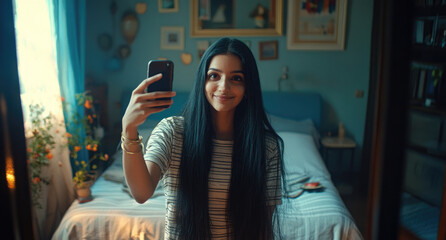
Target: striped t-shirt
[164, 148]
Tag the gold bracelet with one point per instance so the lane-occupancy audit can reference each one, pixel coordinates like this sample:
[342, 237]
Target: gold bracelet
[131, 141]
[131, 153]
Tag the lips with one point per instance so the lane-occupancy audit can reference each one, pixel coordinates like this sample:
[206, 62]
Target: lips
[223, 97]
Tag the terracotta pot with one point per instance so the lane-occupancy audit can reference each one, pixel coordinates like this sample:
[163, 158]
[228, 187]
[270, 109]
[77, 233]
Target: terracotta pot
[83, 193]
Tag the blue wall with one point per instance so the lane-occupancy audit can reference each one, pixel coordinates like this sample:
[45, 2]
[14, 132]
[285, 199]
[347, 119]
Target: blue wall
[334, 74]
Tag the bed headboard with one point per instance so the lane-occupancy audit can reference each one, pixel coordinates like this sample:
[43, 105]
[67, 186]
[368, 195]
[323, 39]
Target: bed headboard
[292, 105]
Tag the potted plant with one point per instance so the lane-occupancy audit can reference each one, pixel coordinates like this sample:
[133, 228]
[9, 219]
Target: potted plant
[40, 143]
[85, 165]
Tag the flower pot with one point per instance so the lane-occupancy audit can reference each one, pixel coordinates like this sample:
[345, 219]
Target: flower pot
[83, 192]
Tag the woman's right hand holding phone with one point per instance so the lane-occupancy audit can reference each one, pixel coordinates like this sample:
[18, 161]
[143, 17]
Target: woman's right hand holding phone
[142, 104]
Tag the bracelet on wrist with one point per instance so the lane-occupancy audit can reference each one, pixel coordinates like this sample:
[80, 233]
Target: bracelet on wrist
[131, 141]
[130, 152]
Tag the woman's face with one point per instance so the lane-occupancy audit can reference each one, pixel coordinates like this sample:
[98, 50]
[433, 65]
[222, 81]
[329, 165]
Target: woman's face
[225, 83]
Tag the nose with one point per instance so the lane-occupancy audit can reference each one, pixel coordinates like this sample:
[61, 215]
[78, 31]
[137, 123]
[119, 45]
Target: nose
[224, 84]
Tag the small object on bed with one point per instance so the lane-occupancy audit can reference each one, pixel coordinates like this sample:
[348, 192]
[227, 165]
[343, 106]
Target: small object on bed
[85, 199]
[312, 186]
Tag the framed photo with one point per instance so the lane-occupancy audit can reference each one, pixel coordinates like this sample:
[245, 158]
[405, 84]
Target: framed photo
[268, 50]
[172, 38]
[167, 6]
[214, 18]
[316, 24]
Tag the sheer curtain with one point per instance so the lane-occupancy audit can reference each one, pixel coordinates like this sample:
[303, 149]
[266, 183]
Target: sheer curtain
[46, 74]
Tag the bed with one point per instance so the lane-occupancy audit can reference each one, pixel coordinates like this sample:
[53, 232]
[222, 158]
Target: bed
[318, 214]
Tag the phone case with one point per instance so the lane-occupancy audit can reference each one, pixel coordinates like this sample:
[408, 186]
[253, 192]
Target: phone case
[166, 68]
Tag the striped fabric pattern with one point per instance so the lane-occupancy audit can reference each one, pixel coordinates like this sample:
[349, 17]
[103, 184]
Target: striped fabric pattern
[164, 148]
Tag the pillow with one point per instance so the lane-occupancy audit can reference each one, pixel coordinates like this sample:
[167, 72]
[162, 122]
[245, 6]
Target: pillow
[301, 157]
[288, 125]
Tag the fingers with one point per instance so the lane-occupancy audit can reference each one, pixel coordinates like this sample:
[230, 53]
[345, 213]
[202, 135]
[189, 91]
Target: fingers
[156, 103]
[144, 84]
[156, 95]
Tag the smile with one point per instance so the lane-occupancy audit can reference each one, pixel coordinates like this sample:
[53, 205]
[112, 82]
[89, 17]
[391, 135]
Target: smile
[223, 97]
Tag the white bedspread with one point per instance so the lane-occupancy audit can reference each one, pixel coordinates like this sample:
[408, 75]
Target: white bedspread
[113, 214]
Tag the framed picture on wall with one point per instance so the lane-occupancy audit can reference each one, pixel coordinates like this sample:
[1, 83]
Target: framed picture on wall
[172, 38]
[167, 6]
[316, 24]
[268, 50]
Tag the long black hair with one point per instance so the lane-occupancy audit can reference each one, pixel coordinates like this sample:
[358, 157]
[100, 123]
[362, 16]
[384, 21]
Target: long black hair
[249, 216]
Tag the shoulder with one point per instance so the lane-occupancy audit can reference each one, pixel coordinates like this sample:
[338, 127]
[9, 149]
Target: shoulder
[174, 122]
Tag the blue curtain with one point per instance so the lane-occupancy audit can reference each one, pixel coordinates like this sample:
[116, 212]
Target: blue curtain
[69, 26]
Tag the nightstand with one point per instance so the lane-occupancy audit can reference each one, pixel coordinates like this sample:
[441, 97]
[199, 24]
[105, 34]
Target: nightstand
[336, 144]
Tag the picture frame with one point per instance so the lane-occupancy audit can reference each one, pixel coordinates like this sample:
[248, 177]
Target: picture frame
[268, 50]
[172, 38]
[316, 25]
[167, 6]
[208, 19]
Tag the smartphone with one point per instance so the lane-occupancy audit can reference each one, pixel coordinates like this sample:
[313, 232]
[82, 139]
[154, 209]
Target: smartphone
[165, 83]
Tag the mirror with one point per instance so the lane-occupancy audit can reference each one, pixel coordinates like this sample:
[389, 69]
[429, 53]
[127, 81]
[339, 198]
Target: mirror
[214, 18]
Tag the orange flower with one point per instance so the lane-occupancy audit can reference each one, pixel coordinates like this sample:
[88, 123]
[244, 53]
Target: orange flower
[94, 115]
[36, 180]
[106, 157]
[29, 150]
[77, 148]
[90, 119]
[87, 104]
[88, 147]
[49, 156]
[95, 147]
[69, 135]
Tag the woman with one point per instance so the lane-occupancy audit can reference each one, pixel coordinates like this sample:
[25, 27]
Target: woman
[221, 161]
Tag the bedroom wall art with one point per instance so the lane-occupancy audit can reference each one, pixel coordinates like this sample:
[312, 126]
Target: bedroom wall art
[172, 38]
[316, 25]
[212, 18]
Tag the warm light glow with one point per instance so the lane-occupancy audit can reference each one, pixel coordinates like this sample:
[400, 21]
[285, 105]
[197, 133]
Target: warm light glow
[36, 58]
[10, 176]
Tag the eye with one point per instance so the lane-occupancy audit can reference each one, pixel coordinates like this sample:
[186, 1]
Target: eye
[212, 76]
[237, 78]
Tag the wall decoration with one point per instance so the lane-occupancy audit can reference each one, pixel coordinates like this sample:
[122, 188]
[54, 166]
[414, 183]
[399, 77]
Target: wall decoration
[168, 6]
[186, 58]
[105, 41]
[214, 18]
[123, 51]
[172, 38]
[268, 50]
[316, 24]
[260, 16]
[201, 47]
[141, 8]
[129, 26]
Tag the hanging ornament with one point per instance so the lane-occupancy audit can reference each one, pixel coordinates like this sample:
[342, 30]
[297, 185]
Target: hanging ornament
[105, 41]
[141, 8]
[129, 26]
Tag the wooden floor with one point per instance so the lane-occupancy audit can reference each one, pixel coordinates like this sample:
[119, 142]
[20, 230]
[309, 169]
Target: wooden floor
[354, 198]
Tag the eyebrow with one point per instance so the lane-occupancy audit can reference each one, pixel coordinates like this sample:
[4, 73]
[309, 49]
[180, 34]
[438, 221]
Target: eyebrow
[218, 70]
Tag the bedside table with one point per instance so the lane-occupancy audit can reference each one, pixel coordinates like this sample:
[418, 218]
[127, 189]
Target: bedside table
[340, 145]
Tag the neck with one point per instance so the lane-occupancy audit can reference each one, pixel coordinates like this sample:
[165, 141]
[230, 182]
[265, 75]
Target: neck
[223, 123]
